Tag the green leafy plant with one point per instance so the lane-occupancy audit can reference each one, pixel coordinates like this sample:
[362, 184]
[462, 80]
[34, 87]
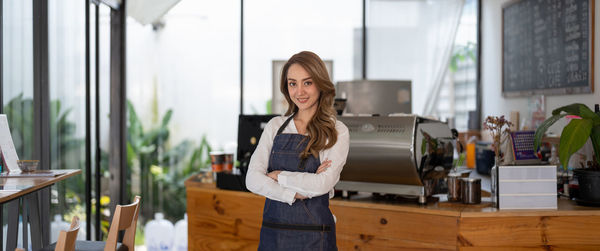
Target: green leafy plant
[147, 155]
[161, 168]
[66, 150]
[19, 112]
[462, 53]
[584, 125]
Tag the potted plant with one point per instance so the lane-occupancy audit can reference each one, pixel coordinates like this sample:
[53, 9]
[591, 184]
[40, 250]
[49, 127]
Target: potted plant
[497, 126]
[584, 125]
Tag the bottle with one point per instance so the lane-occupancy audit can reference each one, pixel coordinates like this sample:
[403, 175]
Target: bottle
[494, 183]
[553, 160]
[56, 226]
[471, 152]
[181, 236]
[82, 235]
[159, 234]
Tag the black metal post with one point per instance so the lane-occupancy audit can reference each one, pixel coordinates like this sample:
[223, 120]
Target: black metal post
[117, 138]
[478, 84]
[241, 56]
[41, 105]
[97, 120]
[88, 129]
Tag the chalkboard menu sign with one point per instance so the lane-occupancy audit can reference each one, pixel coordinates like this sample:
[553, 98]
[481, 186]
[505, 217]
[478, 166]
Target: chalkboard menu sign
[547, 47]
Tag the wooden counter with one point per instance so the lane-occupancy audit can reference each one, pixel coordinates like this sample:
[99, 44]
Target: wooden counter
[230, 220]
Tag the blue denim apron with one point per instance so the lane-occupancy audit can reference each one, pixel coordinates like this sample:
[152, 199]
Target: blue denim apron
[306, 224]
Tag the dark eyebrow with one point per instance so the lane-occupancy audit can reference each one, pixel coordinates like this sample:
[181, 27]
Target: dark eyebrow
[302, 79]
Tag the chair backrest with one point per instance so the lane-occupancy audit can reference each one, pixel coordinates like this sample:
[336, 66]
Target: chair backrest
[66, 239]
[125, 218]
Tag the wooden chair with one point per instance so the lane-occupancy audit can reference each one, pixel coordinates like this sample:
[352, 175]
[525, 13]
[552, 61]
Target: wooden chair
[66, 239]
[125, 218]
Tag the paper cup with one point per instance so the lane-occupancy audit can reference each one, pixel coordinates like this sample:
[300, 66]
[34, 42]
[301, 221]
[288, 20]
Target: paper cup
[228, 162]
[217, 160]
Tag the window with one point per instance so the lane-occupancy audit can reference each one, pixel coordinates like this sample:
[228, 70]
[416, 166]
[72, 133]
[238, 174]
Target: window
[415, 40]
[183, 88]
[66, 73]
[17, 73]
[459, 91]
[275, 30]
[104, 63]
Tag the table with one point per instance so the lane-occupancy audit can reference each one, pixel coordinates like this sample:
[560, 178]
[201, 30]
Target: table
[230, 220]
[26, 189]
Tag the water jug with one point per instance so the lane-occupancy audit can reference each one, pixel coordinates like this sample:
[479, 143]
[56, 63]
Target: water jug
[181, 237]
[159, 234]
[83, 231]
[56, 226]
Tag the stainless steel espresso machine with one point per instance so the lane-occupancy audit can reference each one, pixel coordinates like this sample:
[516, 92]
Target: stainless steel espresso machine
[401, 154]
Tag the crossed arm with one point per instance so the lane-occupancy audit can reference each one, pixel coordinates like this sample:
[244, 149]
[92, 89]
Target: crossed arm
[286, 186]
[324, 165]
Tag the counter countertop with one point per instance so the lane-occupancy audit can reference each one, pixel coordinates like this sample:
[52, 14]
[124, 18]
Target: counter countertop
[566, 207]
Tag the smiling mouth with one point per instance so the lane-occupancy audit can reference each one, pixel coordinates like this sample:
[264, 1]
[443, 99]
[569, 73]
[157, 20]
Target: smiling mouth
[302, 100]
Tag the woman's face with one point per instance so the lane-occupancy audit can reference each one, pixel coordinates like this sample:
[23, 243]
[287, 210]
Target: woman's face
[301, 88]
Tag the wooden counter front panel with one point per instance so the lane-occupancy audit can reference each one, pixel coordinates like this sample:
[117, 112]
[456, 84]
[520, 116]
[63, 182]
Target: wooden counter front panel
[229, 220]
[375, 229]
[223, 220]
[543, 232]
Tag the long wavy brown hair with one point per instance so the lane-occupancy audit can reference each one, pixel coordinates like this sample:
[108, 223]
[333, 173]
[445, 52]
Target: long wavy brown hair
[321, 127]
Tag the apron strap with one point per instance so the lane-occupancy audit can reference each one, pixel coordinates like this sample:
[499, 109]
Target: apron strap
[287, 121]
[283, 226]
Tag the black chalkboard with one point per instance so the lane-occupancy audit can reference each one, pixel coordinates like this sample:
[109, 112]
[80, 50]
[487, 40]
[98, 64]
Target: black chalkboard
[547, 47]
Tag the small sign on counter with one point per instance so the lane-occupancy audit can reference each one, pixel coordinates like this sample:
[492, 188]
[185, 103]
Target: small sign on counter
[527, 187]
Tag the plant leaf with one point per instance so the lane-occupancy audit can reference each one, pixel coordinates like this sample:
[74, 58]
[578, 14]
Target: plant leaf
[135, 128]
[167, 118]
[586, 113]
[573, 137]
[572, 109]
[131, 155]
[539, 133]
[580, 110]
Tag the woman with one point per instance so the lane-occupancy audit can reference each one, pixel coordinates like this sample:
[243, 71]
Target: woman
[298, 160]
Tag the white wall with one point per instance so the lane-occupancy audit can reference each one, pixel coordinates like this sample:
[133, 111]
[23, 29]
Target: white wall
[491, 70]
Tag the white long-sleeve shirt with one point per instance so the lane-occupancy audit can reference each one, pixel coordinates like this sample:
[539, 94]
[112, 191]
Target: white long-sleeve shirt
[290, 183]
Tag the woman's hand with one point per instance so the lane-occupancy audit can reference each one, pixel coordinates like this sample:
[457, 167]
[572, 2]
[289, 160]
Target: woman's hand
[273, 175]
[324, 166]
[300, 196]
